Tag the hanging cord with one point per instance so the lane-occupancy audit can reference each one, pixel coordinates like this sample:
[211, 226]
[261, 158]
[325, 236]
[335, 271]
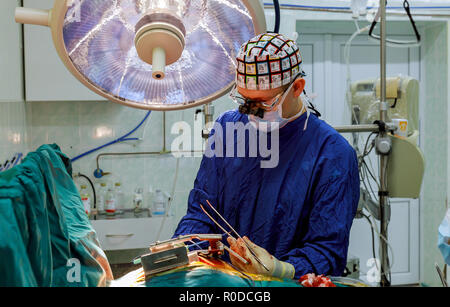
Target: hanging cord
[396, 43]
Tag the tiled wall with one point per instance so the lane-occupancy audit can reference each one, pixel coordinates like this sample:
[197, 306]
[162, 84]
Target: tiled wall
[80, 126]
[435, 119]
[13, 132]
[13, 138]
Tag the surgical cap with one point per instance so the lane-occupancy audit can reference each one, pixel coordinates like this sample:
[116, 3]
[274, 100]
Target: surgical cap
[268, 61]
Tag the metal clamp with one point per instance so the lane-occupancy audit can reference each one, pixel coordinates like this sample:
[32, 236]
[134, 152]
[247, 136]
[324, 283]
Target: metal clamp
[171, 254]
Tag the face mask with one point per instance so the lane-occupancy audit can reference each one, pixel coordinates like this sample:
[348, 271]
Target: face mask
[274, 120]
[444, 237]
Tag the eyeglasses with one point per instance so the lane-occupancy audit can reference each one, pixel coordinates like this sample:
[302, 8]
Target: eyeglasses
[257, 107]
[268, 104]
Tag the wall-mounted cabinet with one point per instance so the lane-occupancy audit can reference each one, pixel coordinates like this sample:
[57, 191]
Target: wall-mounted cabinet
[11, 88]
[46, 77]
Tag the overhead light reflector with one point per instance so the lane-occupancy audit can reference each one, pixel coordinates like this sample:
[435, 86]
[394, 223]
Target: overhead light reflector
[151, 54]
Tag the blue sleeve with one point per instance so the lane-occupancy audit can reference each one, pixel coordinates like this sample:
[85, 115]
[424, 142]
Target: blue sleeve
[324, 248]
[206, 187]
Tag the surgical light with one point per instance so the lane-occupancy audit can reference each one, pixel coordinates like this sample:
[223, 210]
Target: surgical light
[151, 54]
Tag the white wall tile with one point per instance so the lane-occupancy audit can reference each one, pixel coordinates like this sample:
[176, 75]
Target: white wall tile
[13, 134]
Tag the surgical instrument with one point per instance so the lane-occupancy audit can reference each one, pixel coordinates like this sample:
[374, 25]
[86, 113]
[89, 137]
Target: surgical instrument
[237, 234]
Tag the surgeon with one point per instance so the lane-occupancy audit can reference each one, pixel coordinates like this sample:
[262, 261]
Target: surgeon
[295, 217]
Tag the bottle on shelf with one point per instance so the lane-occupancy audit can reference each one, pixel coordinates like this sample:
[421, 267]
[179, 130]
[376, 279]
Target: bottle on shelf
[110, 205]
[159, 204]
[120, 198]
[101, 198]
[138, 200]
[86, 199]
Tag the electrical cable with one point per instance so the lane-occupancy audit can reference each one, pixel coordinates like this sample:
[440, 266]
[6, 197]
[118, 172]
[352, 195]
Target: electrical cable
[370, 164]
[374, 254]
[368, 186]
[370, 173]
[366, 154]
[390, 265]
[384, 239]
[276, 5]
[119, 140]
[396, 43]
[408, 11]
[92, 186]
[389, 246]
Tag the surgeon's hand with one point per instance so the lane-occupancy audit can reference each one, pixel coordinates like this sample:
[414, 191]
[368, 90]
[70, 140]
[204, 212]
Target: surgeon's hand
[276, 268]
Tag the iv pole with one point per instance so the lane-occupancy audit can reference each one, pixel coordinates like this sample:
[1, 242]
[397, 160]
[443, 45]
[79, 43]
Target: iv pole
[384, 147]
[383, 158]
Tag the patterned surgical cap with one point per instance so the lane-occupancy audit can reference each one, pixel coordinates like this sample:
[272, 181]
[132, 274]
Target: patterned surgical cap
[268, 61]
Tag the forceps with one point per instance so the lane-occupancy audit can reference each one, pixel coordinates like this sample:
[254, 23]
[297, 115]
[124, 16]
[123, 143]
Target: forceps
[232, 229]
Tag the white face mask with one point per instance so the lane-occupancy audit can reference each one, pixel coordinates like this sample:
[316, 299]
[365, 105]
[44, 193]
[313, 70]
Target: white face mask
[274, 120]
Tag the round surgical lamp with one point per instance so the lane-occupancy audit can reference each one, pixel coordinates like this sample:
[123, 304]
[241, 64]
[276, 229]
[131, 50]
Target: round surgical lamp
[151, 54]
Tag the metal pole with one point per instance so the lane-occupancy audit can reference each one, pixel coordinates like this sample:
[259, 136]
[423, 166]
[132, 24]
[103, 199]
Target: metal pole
[164, 132]
[357, 128]
[383, 158]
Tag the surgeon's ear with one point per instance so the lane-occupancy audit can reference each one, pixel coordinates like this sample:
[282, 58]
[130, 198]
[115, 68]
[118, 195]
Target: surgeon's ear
[299, 87]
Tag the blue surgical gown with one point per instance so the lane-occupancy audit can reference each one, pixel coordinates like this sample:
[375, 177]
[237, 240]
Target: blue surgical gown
[300, 211]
